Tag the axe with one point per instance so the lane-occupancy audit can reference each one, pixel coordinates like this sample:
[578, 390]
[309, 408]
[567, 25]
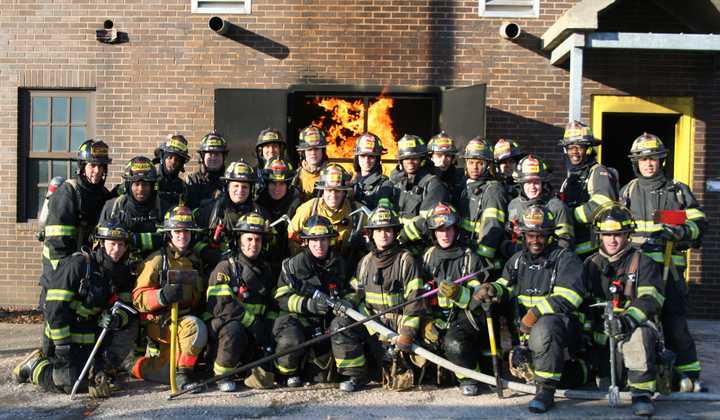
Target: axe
[284, 218]
[672, 218]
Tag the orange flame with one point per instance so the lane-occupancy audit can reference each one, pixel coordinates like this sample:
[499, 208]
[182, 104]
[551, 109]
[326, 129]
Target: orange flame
[347, 122]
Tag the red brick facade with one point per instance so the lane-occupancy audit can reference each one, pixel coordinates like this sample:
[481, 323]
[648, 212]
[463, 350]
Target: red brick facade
[164, 78]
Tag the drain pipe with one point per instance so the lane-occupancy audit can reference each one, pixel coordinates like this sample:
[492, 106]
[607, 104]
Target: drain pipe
[389, 334]
[510, 30]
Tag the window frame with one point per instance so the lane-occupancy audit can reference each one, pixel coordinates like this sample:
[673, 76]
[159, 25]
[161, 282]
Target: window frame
[243, 7]
[483, 11]
[26, 155]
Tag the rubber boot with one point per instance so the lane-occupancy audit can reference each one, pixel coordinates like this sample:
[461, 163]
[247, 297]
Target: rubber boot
[642, 404]
[295, 382]
[469, 388]
[692, 384]
[227, 386]
[184, 380]
[355, 383]
[544, 398]
[23, 370]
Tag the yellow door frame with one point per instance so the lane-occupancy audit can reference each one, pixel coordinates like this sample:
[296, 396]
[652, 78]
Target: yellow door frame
[684, 129]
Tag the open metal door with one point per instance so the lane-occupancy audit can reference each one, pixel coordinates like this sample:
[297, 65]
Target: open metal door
[240, 115]
[462, 115]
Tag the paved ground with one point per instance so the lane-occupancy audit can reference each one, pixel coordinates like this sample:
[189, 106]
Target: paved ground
[141, 400]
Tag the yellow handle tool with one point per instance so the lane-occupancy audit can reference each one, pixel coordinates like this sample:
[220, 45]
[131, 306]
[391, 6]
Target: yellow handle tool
[173, 346]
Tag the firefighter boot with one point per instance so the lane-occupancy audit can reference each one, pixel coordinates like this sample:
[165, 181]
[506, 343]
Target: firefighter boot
[23, 371]
[183, 379]
[544, 398]
[227, 386]
[355, 383]
[469, 388]
[295, 382]
[642, 404]
[692, 384]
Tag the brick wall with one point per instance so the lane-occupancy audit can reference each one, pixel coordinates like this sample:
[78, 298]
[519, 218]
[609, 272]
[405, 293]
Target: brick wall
[163, 79]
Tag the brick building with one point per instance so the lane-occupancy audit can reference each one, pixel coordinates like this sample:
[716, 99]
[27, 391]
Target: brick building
[443, 61]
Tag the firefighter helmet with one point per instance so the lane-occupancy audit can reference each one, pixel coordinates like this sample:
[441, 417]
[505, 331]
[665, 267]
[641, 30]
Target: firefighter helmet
[269, 136]
[95, 152]
[334, 177]
[311, 137]
[176, 144]
[531, 168]
[140, 168]
[368, 144]
[179, 218]
[507, 149]
[647, 146]
[479, 148]
[252, 222]
[383, 217]
[239, 171]
[442, 216]
[317, 227]
[442, 143]
[577, 133]
[213, 142]
[411, 146]
[613, 218]
[278, 169]
[112, 230]
[537, 219]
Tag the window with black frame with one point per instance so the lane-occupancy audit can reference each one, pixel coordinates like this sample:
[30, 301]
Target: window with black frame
[54, 125]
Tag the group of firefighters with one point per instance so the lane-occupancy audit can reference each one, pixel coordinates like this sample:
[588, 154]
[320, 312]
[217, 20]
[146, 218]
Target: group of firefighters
[258, 260]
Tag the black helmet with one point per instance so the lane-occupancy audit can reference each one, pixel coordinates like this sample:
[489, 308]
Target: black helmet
[278, 170]
[442, 215]
[442, 143]
[317, 227]
[479, 148]
[531, 168]
[252, 222]
[577, 133]
[213, 142]
[140, 168]
[368, 144]
[311, 137]
[507, 149]
[411, 146]
[239, 171]
[112, 230]
[537, 219]
[176, 144]
[613, 218]
[647, 146]
[383, 217]
[179, 218]
[270, 136]
[334, 177]
[93, 151]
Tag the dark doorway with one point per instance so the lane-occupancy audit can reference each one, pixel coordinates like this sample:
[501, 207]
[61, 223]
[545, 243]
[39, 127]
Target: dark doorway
[619, 131]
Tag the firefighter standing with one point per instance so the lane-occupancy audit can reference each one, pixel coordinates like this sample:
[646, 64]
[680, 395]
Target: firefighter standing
[306, 282]
[205, 185]
[588, 184]
[270, 145]
[459, 330]
[369, 184]
[532, 176]
[507, 154]
[620, 273]
[311, 146]
[83, 288]
[172, 157]
[240, 298]
[387, 276]
[156, 290]
[443, 155]
[650, 192]
[546, 281]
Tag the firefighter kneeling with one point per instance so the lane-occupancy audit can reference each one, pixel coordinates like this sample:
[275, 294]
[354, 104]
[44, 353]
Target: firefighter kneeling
[546, 280]
[81, 292]
[172, 276]
[632, 281]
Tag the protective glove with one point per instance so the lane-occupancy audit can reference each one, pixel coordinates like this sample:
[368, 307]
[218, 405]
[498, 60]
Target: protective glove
[404, 342]
[620, 325]
[99, 386]
[171, 293]
[530, 318]
[112, 322]
[318, 304]
[487, 293]
[672, 233]
[449, 290]
[341, 306]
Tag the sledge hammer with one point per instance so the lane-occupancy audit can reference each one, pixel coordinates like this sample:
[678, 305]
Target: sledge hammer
[672, 218]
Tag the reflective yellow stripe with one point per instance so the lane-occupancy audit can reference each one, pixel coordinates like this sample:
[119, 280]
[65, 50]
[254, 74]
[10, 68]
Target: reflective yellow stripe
[568, 294]
[645, 386]
[60, 230]
[411, 231]
[350, 363]
[647, 226]
[255, 308]
[221, 370]
[485, 251]
[600, 199]
[548, 375]
[544, 307]
[653, 292]
[82, 310]
[247, 319]
[284, 370]
[411, 322]
[469, 225]
[690, 367]
[530, 301]
[413, 285]
[77, 338]
[219, 290]
[354, 283]
[658, 257]
[296, 303]
[38, 371]
[282, 291]
[694, 214]
[694, 229]
[580, 215]
[59, 295]
[464, 299]
[386, 299]
[583, 248]
[46, 255]
[57, 334]
[146, 241]
[492, 212]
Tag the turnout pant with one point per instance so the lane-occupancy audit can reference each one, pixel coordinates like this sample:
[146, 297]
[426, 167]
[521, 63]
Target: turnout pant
[289, 331]
[675, 326]
[636, 359]
[549, 339]
[191, 338]
[466, 342]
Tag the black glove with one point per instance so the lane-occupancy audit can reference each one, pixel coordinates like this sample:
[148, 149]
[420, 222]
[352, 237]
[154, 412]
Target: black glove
[112, 322]
[171, 293]
[341, 306]
[318, 304]
[620, 325]
[672, 233]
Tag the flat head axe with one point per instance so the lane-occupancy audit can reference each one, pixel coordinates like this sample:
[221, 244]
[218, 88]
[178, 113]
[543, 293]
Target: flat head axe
[284, 218]
[672, 218]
